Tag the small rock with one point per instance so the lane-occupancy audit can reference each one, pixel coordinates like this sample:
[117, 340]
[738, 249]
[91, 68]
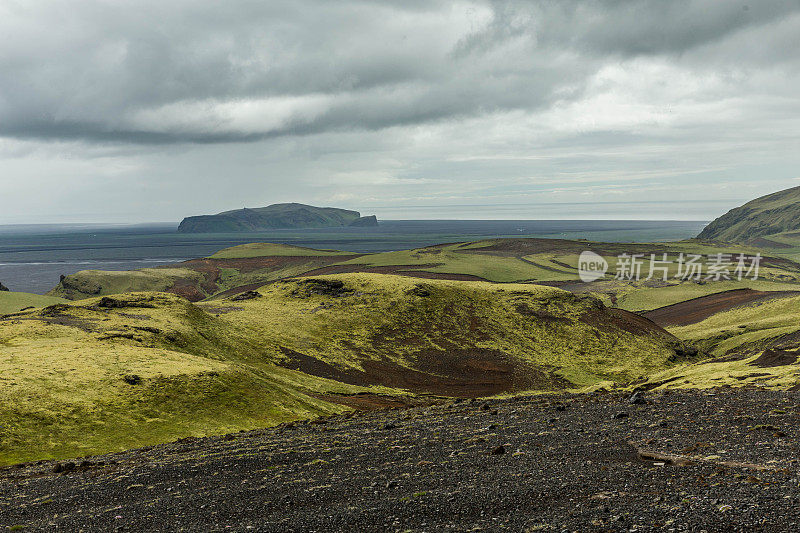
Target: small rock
[390, 425]
[620, 415]
[498, 450]
[247, 295]
[637, 398]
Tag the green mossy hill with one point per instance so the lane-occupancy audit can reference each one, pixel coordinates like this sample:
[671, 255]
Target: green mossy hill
[771, 214]
[248, 265]
[447, 337]
[269, 249]
[276, 216]
[109, 373]
[757, 344]
[89, 283]
[11, 302]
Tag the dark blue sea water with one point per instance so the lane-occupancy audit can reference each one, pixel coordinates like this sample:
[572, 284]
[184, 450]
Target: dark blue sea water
[33, 256]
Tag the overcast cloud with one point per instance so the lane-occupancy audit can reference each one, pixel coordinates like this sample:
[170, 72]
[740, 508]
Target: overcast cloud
[153, 110]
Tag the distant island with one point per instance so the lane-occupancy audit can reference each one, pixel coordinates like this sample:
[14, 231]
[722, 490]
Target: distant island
[275, 216]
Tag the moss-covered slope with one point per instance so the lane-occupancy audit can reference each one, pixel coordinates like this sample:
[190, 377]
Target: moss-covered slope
[11, 302]
[757, 344]
[115, 372]
[448, 337]
[771, 214]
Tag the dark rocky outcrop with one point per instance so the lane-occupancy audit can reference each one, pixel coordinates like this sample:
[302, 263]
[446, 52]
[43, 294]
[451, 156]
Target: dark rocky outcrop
[370, 221]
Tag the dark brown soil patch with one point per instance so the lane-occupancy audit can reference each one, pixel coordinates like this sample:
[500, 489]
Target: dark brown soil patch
[772, 358]
[465, 373]
[761, 242]
[311, 365]
[609, 319]
[698, 309]
[188, 289]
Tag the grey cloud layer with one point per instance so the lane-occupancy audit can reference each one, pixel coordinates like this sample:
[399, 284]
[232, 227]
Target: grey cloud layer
[217, 72]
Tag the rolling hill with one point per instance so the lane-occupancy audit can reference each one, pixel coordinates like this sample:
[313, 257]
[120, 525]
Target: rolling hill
[772, 214]
[11, 301]
[276, 216]
[543, 261]
[110, 373]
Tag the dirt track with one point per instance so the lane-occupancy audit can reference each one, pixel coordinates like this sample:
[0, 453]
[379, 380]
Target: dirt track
[698, 309]
[689, 461]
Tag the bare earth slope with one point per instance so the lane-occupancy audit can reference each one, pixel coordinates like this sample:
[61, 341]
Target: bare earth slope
[685, 461]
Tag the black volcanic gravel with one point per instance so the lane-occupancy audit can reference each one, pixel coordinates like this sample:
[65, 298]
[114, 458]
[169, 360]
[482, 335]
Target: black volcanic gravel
[568, 463]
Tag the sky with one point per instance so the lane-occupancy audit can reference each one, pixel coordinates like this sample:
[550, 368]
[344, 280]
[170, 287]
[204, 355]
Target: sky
[137, 111]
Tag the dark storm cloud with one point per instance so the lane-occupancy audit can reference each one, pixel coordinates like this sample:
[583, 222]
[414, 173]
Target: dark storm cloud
[217, 72]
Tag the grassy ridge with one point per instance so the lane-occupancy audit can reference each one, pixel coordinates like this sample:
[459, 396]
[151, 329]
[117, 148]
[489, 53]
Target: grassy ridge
[87, 283]
[497, 260]
[267, 249]
[11, 302]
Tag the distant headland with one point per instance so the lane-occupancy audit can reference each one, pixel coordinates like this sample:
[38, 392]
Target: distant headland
[275, 216]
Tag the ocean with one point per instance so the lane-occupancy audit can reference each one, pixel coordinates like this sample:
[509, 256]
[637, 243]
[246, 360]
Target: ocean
[32, 257]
